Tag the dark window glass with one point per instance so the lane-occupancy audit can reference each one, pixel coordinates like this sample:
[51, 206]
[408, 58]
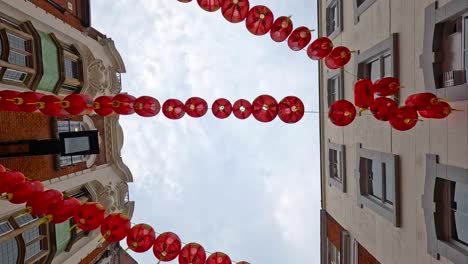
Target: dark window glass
[332, 18]
[374, 70]
[389, 186]
[333, 90]
[360, 2]
[387, 66]
[71, 68]
[333, 163]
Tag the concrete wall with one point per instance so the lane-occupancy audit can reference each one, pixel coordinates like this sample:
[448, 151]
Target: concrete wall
[447, 138]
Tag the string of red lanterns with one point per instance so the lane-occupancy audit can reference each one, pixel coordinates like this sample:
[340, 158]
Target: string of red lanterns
[55, 208]
[264, 108]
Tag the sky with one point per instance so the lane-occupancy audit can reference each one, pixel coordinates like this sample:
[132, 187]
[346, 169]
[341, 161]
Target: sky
[245, 188]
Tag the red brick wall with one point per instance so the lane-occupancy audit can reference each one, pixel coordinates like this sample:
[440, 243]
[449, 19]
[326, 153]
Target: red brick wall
[364, 257]
[334, 232]
[67, 17]
[23, 126]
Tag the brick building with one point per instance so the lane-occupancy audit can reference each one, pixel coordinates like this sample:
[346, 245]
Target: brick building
[390, 196]
[49, 46]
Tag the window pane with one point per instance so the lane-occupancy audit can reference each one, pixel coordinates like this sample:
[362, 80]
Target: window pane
[24, 219]
[16, 42]
[71, 68]
[17, 58]
[77, 144]
[33, 249]
[374, 70]
[5, 227]
[65, 161]
[466, 32]
[460, 209]
[333, 164]
[389, 185]
[15, 76]
[31, 234]
[9, 251]
[387, 60]
[332, 89]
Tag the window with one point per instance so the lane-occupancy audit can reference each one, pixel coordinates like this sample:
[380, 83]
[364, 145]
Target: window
[335, 86]
[378, 183]
[445, 204]
[19, 53]
[336, 166]
[445, 50]
[333, 254]
[14, 76]
[334, 18]
[71, 126]
[22, 241]
[360, 6]
[379, 61]
[71, 69]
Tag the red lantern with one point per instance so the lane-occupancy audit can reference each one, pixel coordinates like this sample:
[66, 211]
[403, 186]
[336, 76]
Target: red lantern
[387, 86]
[235, 11]
[40, 203]
[76, 104]
[167, 246]
[383, 108]
[192, 253]
[115, 227]
[281, 29]
[50, 105]
[339, 57]
[141, 238]
[61, 211]
[221, 108]
[218, 258]
[405, 118]
[363, 94]
[146, 106]
[209, 5]
[123, 104]
[23, 192]
[265, 108]
[173, 109]
[342, 113]
[29, 101]
[291, 109]
[185, 1]
[259, 20]
[299, 38]
[242, 109]
[438, 111]
[196, 107]
[320, 48]
[422, 101]
[89, 216]
[8, 101]
[103, 105]
[9, 179]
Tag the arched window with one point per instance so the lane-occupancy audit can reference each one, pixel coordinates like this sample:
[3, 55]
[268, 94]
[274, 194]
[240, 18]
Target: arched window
[22, 241]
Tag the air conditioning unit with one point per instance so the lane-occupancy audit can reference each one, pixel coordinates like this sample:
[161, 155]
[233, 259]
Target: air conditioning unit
[453, 78]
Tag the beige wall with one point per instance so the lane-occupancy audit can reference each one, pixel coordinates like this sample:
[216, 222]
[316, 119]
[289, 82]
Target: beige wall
[448, 138]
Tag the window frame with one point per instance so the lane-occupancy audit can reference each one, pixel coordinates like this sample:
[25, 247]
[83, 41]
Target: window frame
[341, 166]
[379, 206]
[359, 10]
[17, 232]
[81, 126]
[68, 84]
[333, 33]
[431, 59]
[441, 245]
[387, 47]
[337, 75]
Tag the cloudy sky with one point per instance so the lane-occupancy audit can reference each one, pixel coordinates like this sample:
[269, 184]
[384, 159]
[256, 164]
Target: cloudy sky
[245, 188]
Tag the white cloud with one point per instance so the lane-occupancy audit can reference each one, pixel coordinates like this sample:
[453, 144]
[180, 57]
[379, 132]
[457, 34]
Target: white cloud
[243, 187]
